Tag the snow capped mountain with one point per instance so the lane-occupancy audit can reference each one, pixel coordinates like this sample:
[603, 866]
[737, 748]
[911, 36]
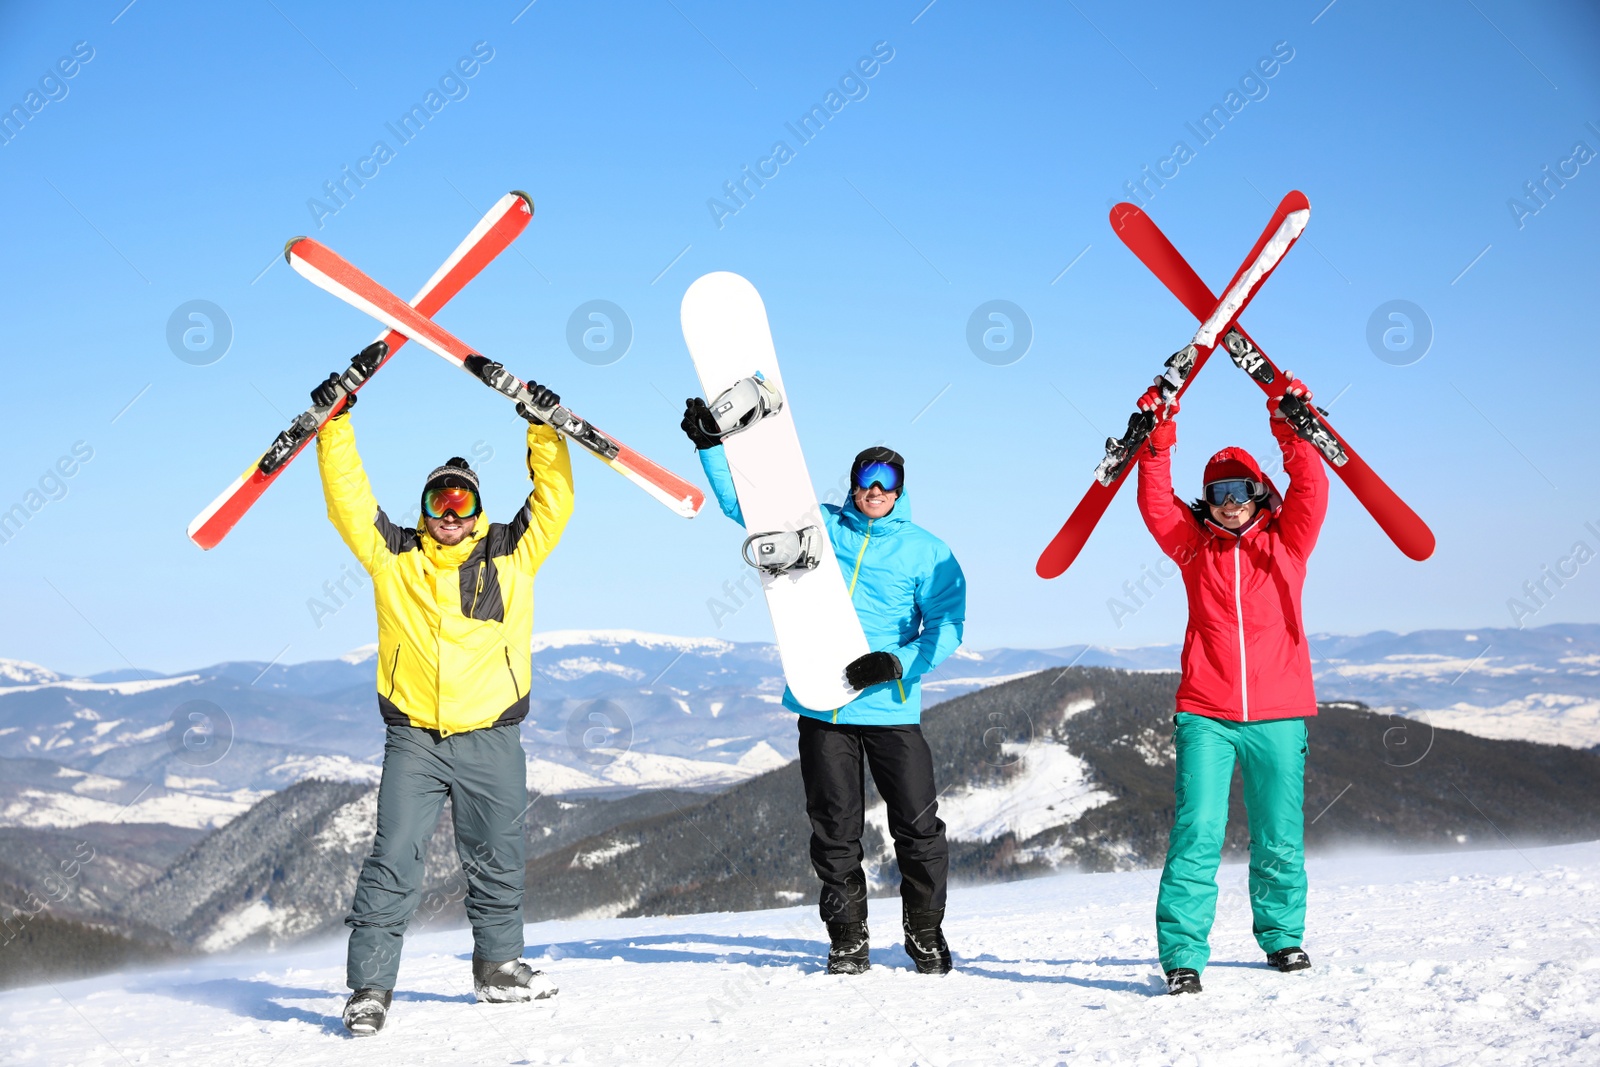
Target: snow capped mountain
[621, 710]
[1480, 957]
[19, 672]
[616, 639]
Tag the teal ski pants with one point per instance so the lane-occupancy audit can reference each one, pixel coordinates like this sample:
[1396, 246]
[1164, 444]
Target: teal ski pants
[484, 773]
[1272, 761]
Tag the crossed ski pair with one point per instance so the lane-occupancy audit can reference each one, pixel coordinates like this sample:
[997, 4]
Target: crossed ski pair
[1218, 325]
[326, 269]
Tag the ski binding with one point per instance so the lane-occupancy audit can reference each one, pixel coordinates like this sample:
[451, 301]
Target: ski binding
[307, 423]
[1247, 357]
[496, 377]
[1303, 418]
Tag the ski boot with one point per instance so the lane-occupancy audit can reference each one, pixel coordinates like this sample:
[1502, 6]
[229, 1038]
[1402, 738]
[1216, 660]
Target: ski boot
[848, 948]
[1182, 980]
[366, 1011]
[1293, 958]
[925, 942]
[510, 982]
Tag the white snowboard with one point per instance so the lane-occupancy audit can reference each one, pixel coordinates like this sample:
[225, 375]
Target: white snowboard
[725, 327]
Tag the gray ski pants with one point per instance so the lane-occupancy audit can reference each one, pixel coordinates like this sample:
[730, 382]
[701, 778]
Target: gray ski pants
[484, 774]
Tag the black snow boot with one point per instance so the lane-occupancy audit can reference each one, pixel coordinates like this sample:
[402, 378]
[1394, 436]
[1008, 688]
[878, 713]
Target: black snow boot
[848, 948]
[1293, 958]
[1182, 980]
[511, 981]
[366, 1011]
[925, 942]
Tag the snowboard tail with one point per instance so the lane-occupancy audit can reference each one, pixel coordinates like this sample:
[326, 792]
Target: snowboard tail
[1394, 516]
[492, 235]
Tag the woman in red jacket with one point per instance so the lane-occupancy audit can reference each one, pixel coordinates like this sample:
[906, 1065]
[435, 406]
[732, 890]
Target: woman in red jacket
[1246, 689]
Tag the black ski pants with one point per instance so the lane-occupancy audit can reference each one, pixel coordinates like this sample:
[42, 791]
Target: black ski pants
[833, 761]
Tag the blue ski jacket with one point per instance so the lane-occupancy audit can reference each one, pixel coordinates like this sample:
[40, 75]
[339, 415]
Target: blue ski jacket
[907, 589]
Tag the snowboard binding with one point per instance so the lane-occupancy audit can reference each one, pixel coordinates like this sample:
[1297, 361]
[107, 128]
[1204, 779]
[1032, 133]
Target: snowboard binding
[1303, 417]
[305, 425]
[784, 550]
[1247, 357]
[743, 404]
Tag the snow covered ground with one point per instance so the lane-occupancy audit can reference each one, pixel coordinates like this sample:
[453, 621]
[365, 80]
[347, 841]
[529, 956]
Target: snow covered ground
[1469, 958]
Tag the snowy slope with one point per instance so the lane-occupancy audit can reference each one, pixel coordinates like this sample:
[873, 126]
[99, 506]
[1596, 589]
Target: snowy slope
[1471, 958]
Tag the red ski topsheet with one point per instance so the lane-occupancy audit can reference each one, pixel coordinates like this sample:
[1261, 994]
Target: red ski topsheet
[1074, 534]
[492, 235]
[328, 270]
[1404, 527]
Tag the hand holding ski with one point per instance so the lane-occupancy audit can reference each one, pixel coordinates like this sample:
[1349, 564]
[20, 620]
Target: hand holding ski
[492, 235]
[1285, 227]
[1404, 527]
[329, 271]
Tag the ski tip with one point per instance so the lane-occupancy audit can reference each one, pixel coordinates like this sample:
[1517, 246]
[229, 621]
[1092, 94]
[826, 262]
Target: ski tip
[288, 246]
[524, 197]
[1294, 200]
[1122, 213]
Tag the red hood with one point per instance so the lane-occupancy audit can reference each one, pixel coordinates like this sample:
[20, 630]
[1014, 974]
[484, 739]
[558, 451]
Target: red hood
[1234, 462]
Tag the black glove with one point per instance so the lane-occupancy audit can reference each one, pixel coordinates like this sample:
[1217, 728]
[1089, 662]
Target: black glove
[696, 417]
[542, 396]
[328, 393]
[871, 669]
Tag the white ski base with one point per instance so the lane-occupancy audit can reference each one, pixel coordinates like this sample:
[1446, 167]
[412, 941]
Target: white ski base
[1458, 958]
[725, 328]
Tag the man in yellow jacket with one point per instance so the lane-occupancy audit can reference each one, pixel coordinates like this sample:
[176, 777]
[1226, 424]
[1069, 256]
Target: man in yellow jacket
[455, 622]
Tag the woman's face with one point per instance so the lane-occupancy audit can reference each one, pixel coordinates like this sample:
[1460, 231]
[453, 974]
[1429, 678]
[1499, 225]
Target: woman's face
[1233, 514]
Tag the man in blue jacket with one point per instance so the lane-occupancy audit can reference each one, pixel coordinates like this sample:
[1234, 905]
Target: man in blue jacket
[911, 598]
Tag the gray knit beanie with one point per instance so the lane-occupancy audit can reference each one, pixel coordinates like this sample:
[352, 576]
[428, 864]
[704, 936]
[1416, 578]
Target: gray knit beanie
[454, 474]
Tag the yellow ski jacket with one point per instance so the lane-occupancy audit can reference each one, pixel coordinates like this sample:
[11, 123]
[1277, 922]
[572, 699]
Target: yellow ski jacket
[455, 623]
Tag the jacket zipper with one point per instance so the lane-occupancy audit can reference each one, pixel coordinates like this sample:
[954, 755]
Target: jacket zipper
[853, 576]
[394, 663]
[473, 613]
[513, 674]
[1238, 610]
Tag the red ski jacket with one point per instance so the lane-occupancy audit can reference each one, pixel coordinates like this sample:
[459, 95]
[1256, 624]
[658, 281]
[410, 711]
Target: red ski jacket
[1245, 655]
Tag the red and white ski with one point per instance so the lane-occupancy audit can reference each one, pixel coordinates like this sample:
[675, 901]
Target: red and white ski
[1404, 527]
[327, 270]
[494, 233]
[1287, 223]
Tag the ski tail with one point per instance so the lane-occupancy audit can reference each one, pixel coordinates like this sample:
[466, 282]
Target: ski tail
[1280, 234]
[1074, 534]
[501, 225]
[1394, 516]
[681, 496]
[331, 272]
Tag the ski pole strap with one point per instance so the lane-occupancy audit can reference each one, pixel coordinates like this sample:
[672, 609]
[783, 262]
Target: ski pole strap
[783, 550]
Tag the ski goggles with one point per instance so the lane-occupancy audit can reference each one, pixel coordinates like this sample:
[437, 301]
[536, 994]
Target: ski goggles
[463, 502]
[883, 475]
[1239, 490]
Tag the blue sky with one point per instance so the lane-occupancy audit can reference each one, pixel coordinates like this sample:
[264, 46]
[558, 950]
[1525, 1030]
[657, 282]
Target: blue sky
[977, 163]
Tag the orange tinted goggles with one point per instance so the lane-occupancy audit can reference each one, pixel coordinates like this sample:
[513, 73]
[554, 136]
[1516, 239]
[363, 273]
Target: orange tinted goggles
[463, 502]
